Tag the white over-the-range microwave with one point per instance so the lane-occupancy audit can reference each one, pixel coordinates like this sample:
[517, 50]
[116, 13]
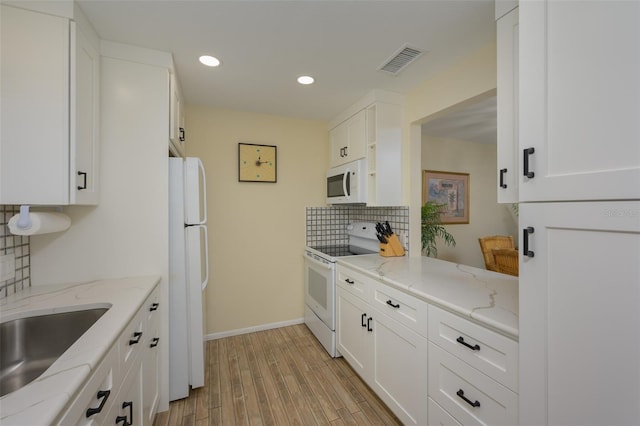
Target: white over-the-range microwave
[347, 184]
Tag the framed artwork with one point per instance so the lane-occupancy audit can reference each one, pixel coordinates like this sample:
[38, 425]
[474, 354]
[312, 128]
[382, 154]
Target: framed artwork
[257, 163]
[449, 189]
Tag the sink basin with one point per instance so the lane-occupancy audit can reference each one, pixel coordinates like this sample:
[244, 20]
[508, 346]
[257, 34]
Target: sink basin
[28, 346]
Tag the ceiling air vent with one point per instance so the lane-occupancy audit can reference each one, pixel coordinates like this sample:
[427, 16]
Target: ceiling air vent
[400, 59]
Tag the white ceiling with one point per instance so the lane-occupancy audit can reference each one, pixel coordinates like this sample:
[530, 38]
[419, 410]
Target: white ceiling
[476, 122]
[265, 45]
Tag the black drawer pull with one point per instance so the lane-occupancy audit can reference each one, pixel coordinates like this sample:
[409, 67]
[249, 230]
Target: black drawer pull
[84, 184]
[104, 395]
[362, 320]
[348, 281]
[369, 324]
[181, 134]
[154, 307]
[154, 342]
[502, 184]
[475, 347]
[460, 393]
[136, 338]
[525, 162]
[390, 303]
[525, 241]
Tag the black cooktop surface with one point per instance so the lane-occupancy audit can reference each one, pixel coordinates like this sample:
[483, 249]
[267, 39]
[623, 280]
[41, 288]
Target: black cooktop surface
[342, 250]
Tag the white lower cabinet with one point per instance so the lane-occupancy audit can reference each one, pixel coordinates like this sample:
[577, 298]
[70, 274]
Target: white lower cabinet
[124, 387]
[439, 417]
[388, 356]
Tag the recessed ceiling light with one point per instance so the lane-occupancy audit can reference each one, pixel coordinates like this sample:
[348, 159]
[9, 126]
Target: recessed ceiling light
[209, 61]
[305, 79]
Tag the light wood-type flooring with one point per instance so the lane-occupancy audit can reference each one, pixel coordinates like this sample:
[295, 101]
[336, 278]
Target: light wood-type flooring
[277, 377]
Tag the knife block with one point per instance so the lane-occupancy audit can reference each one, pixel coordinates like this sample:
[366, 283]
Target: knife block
[392, 248]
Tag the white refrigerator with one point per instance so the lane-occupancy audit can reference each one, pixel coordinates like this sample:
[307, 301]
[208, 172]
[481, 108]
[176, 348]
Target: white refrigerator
[188, 274]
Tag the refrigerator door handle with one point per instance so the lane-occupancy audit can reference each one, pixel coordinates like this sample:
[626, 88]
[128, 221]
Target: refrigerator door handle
[206, 258]
[204, 196]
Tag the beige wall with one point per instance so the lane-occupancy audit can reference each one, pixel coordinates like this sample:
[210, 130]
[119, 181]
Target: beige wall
[473, 78]
[256, 230]
[486, 216]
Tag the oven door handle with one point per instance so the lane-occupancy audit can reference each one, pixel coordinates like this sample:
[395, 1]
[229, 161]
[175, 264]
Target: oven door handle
[323, 265]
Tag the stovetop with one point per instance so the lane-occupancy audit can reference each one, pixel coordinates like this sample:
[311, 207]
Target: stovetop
[342, 250]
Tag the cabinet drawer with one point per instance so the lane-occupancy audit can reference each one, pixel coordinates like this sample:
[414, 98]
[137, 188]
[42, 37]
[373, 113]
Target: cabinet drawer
[490, 352]
[132, 342]
[96, 397]
[439, 417]
[151, 309]
[468, 395]
[408, 310]
[355, 283]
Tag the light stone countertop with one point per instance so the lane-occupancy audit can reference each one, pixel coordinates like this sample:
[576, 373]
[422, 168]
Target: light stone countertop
[44, 399]
[485, 297]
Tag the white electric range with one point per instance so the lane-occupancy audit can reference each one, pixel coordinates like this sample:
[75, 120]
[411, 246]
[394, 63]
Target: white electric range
[320, 280]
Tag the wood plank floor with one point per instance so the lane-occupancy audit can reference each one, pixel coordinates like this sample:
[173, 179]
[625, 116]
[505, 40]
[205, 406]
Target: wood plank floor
[277, 377]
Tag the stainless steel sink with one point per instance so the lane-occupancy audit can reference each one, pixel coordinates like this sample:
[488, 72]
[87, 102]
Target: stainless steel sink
[28, 346]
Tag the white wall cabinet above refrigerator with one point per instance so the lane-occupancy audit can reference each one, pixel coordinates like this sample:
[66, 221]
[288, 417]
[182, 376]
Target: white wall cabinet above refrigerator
[177, 133]
[579, 100]
[50, 110]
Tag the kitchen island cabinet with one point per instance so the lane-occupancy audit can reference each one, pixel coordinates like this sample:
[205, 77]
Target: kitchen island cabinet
[106, 364]
[435, 340]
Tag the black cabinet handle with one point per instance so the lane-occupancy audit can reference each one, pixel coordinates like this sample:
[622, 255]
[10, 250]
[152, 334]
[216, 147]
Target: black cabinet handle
[181, 134]
[154, 342]
[346, 151]
[342, 152]
[136, 338]
[525, 162]
[502, 173]
[101, 394]
[460, 393]
[154, 307]
[525, 242]
[390, 303]
[369, 324]
[348, 281]
[475, 347]
[84, 183]
[123, 419]
[362, 320]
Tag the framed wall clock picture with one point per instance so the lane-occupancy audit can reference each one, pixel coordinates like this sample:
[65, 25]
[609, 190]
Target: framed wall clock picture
[257, 163]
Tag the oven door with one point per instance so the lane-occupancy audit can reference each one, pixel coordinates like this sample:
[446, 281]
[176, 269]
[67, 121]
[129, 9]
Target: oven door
[319, 289]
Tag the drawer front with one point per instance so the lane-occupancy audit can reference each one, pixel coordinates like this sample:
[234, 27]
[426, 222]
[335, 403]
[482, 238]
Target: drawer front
[439, 417]
[132, 341]
[406, 309]
[355, 283]
[471, 397]
[152, 307]
[490, 352]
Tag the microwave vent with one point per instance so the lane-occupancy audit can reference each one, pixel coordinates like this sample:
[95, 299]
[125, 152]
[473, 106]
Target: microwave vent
[400, 59]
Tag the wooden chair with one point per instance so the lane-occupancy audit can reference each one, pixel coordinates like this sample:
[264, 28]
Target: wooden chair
[492, 242]
[506, 261]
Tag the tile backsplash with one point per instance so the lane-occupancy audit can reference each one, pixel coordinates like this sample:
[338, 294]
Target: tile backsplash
[327, 226]
[19, 247]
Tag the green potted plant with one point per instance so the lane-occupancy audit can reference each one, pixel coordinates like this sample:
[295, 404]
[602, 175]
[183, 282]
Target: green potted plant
[432, 228]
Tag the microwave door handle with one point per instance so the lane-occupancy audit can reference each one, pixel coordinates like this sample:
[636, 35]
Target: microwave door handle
[345, 178]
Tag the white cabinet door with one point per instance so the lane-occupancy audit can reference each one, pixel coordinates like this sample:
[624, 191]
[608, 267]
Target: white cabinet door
[579, 314]
[127, 404]
[399, 370]
[34, 154]
[85, 117]
[348, 140]
[353, 320]
[507, 106]
[177, 136]
[580, 100]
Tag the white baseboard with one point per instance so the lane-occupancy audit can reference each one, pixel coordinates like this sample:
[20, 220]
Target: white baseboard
[239, 331]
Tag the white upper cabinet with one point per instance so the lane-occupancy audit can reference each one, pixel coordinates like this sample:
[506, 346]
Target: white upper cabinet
[49, 111]
[348, 140]
[507, 105]
[177, 133]
[579, 100]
